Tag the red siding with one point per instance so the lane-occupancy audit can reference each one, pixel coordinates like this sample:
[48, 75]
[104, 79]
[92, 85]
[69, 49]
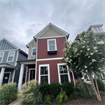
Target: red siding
[53, 70]
[42, 48]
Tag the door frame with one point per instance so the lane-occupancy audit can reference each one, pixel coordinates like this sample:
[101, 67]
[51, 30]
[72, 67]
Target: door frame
[9, 76]
[29, 73]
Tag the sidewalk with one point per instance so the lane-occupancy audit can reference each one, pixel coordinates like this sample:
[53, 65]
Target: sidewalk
[16, 102]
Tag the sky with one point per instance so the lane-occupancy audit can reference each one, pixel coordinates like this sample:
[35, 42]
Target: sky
[20, 20]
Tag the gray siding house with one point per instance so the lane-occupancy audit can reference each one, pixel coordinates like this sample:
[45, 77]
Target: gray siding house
[9, 55]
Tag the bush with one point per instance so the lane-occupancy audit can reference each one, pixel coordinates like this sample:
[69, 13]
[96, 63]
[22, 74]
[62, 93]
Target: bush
[8, 93]
[102, 93]
[44, 89]
[30, 94]
[68, 88]
[74, 95]
[84, 90]
[54, 89]
[101, 85]
[61, 97]
[48, 99]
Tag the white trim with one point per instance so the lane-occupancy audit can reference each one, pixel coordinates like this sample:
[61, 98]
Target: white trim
[9, 76]
[13, 75]
[58, 64]
[30, 62]
[36, 59]
[73, 78]
[32, 51]
[50, 37]
[48, 72]
[48, 44]
[29, 73]
[13, 56]
[2, 56]
[17, 58]
[45, 59]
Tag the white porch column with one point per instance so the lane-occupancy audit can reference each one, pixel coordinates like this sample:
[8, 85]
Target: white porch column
[20, 77]
[2, 75]
[13, 75]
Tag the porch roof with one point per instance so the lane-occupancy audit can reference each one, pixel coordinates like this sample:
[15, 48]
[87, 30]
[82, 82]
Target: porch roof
[6, 65]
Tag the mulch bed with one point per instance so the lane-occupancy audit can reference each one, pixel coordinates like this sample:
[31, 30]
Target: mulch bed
[82, 101]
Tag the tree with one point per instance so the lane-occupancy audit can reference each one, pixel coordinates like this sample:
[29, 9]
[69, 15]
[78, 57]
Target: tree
[86, 55]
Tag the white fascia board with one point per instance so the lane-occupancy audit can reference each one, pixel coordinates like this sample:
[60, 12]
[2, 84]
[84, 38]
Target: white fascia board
[30, 43]
[25, 63]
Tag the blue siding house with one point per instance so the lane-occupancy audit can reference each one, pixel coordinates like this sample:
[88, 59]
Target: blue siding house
[9, 55]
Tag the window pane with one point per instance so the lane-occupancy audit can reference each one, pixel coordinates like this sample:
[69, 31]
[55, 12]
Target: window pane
[51, 48]
[64, 78]
[1, 54]
[63, 69]
[11, 54]
[44, 79]
[34, 49]
[10, 58]
[99, 29]
[44, 70]
[52, 42]
[34, 53]
[0, 59]
[95, 29]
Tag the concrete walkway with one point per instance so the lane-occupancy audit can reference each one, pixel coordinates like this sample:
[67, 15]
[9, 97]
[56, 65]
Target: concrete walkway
[16, 102]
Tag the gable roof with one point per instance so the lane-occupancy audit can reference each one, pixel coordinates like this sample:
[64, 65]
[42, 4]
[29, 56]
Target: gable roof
[13, 46]
[53, 26]
[30, 43]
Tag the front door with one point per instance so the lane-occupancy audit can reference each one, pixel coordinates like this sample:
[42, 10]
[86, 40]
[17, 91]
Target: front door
[6, 78]
[32, 75]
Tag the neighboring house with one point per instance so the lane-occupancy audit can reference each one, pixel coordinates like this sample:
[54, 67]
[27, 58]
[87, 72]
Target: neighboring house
[9, 68]
[44, 57]
[98, 31]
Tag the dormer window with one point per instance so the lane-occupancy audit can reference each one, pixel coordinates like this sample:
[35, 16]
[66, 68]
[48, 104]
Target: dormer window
[51, 46]
[1, 56]
[10, 57]
[33, 51]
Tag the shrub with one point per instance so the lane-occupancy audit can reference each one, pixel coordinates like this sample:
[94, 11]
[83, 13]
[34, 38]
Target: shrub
[8, 93]
[30, 94]
[44, 89]
[102, 93]
[48, 99]
[101, 85]
[54, 89]
[61, 97]
[74, 95]
[84, 90]
[68, 88]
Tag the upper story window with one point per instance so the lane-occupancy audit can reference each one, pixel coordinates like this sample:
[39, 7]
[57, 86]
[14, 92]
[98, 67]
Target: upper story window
[10, 57]
[33, 51]
[52, 45]
[97, 29]
[1, 56]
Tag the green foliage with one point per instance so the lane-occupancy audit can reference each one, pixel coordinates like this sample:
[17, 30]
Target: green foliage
[44, 88]
[86, 54]
[30, 94]
[8, 93]
[61, 97]
[68, 88]
[74, 95]
[84, 90]
[48, 99]
[102, 93]
[55, 89]
[101, 85]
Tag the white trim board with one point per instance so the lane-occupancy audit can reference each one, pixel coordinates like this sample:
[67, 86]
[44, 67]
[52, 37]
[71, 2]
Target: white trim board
[45, 59]
[43, 65]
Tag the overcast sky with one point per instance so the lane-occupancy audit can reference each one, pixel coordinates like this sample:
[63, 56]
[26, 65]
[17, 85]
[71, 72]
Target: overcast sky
[20, 20]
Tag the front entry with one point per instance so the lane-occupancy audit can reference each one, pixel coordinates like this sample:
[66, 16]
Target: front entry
[32, 74]
[6, 78]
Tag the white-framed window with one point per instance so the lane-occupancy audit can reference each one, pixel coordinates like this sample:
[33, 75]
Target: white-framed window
[63, 74]
[44, 73]
[33, 51]
[1, 56]
[51, 45]
[97, 29]
[10, 57]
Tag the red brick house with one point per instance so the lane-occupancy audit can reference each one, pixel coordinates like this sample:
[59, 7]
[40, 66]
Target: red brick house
[44, 57]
